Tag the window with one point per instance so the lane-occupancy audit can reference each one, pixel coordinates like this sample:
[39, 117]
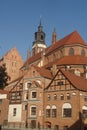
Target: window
[48, 111]
[55, 97]
[65, 127]
[33, 111]
[85, 98]
[14, 111]
[71, 51]
[28, 85]
[62, 97]
[83, 52]
[26, 106]
[68, 96]
[60, 83]
[41, 37]
[54, 111]
[48, 97]
[34, 94]
[13, 95]
[67, 110]
[0, 101]
[84, 111]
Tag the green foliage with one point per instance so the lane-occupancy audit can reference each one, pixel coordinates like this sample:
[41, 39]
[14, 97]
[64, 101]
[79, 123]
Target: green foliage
[3, 76]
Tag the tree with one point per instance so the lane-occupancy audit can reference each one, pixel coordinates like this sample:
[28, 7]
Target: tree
[3, 76]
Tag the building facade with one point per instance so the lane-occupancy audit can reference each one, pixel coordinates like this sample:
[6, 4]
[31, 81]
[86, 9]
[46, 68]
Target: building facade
[51, 91]
[13, 62]
[4, 104]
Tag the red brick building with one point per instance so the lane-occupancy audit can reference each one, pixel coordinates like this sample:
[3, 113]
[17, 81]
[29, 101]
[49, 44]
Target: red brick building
[51, 91]
[13, 62]
[4, 104]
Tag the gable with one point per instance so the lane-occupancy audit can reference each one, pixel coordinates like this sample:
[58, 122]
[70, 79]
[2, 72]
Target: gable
[60, 83]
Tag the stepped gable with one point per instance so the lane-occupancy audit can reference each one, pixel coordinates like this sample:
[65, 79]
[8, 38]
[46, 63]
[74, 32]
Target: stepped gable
[69, 60]
[78, 82]
[73, 38]
[43, 72]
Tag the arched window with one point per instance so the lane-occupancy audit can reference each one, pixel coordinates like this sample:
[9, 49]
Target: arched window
[56, 127]
[71, 51]
[84, 111]
[54, 111]
[47, 111]
[62, 97]
[83, 52]
[55, 97]
[66, 110]
[68, 96]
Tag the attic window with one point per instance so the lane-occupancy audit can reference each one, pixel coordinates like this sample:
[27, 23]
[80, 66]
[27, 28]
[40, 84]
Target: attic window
[60, 83]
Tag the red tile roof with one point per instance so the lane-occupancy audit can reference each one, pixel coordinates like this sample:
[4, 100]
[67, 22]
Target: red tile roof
[43, 72]
[73, 38]
[69, 60]
[32, 59]
[78, 82]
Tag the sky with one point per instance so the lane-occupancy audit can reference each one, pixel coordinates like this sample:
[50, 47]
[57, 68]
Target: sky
[19, 20]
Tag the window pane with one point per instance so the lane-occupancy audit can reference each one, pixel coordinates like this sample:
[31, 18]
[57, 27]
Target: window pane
[33, 94]
[33, 111]
[67, 112]
[54, 112]
[47, 112]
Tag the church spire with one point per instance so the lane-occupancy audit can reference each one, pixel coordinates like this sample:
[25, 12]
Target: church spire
[54, 36]
[40, 28]
[39, 42]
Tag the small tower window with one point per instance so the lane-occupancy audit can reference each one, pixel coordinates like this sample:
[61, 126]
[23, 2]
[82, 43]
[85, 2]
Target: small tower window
[41, 37]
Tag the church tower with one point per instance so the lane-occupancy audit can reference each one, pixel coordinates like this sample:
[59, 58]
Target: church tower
[39, 42]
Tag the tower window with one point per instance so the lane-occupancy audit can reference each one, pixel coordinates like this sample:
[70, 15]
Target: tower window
[41, 37]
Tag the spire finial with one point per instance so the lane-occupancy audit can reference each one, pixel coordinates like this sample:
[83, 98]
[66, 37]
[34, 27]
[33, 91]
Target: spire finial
[40, 25]
[40, 19]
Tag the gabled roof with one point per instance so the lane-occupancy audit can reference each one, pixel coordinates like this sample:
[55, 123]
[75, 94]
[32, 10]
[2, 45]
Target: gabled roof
[73, 38]
[43, 72]
[69, 60]
[78, 82]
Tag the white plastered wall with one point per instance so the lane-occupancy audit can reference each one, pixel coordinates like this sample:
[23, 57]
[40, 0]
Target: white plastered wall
[17, 117]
